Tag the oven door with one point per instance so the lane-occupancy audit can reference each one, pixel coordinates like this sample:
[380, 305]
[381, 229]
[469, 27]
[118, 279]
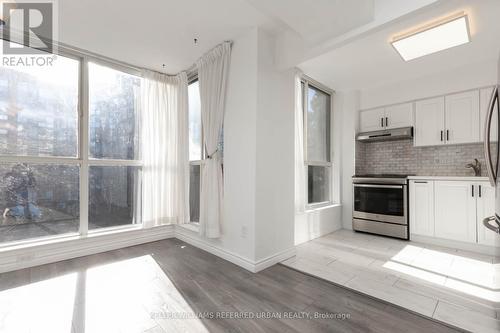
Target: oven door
[385, 203]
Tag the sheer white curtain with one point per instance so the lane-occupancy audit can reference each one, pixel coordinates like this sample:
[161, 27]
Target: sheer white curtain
[300, 181]
[213, 70]
[165, 149]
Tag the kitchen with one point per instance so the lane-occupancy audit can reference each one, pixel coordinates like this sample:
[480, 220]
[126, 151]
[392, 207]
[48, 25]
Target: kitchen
[418, 172]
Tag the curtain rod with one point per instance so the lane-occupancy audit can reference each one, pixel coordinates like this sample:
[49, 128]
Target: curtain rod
[192, 70]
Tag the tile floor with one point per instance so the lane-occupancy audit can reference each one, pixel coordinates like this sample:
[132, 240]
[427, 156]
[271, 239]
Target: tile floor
[457, 287]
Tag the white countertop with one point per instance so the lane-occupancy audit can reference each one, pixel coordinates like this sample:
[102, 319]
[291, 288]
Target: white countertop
[458, 178]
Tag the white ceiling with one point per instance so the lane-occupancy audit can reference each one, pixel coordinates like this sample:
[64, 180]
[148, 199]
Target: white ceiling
[149, 33]
[316, 21]
[371, 61]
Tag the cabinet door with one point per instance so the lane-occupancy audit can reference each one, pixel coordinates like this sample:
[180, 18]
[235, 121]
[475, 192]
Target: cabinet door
[429, 122]
[371, 120]
[486, 208]
[484, 103]
[400, 115]
[462, 117]
[455, 210]
[422, 207]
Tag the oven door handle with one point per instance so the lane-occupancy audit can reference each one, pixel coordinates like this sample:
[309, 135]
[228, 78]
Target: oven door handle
[378, 186]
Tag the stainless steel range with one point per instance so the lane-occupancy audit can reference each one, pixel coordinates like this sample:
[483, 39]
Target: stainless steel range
[381, 205]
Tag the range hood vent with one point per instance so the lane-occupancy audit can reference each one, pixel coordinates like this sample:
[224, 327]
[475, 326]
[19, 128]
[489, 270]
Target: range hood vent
[403, 133]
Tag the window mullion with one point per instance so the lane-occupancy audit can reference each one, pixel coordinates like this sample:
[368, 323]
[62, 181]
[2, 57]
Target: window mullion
[84, 149]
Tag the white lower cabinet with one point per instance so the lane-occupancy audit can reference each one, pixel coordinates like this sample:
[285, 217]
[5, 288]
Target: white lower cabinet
[453, 210]
[422, 207]
[486, 208]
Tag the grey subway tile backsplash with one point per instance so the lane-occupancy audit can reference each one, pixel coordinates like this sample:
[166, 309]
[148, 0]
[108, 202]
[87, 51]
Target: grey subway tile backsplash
[401, 157]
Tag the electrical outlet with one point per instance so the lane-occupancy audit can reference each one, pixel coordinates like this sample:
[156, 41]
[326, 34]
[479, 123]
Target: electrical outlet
[244, 232]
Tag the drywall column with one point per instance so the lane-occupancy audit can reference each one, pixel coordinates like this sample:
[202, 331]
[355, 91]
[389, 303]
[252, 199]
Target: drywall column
[274, 223]
[349, 104]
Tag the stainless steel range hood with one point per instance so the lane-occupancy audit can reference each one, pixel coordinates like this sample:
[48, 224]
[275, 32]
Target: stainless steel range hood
[386, 135]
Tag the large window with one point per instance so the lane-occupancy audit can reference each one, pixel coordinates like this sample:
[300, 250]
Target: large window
[114, 171]
[69, 148]
[317, 143]
[39, 171]
[39, 109]
[114, 121]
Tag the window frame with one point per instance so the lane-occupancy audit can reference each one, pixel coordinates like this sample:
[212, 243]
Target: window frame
[306, 82]
[82, 158]
[201, 162]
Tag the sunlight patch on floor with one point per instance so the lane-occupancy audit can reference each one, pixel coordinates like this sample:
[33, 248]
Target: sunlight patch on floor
[45, 306]
[467, 275]
[132, 295]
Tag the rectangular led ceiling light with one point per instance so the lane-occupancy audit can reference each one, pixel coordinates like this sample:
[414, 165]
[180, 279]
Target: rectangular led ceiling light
[437, 36]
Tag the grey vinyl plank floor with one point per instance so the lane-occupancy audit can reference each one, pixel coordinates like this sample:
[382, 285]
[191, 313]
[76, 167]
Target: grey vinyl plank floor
[170, 286]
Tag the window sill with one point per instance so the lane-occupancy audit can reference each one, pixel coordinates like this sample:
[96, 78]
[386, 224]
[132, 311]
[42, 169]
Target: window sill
[310, 209]
[192, 226]
[71, 237]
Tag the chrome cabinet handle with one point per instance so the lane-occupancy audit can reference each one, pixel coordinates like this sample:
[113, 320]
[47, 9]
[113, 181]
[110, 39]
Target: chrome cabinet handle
[386, 121]
[487, 131]
[381, 122]
[486, 223]
[441, 135]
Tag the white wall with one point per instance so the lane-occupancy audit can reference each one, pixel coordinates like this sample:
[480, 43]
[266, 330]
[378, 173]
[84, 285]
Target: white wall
[274, 229]
[463, 78]
[316, 223]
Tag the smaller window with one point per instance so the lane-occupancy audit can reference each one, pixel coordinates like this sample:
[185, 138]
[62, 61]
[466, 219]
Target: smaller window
[317, 136]
[195, 134]
[194, 192]
[195, 150]
[318, 180]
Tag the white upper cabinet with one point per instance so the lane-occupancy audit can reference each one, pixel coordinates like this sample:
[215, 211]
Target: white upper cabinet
[455, 210]
[462, 117]
[422, 207]
[484, 103]
[429, 122]
[452, 119]
[394, 116]
[400, 115]
[486, 208]
[372, 120]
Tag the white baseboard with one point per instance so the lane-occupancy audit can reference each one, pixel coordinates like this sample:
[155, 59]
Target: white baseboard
[54, 250]
[274, 259]
[67, 248]
[253, 266]
[188, 237]
[472, 247]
